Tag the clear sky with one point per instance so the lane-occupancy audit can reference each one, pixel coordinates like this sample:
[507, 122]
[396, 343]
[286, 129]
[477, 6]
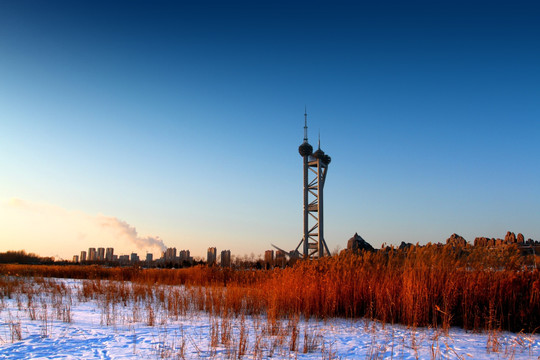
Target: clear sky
[126, 123]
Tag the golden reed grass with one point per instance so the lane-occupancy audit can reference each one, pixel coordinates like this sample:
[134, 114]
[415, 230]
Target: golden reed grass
[472, 287]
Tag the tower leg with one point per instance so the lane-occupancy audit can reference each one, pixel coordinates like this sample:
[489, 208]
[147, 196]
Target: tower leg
[306, 205]
[321, 209]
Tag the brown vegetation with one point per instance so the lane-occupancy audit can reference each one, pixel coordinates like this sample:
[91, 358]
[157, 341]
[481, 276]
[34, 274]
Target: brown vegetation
[472, 287]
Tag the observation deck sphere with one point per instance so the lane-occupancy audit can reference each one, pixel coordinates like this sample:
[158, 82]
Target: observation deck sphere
[326, 159]
[319, 154]
[305, 149]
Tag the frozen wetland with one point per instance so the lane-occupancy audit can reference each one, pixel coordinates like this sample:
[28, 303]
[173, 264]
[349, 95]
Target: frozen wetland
[53, 318]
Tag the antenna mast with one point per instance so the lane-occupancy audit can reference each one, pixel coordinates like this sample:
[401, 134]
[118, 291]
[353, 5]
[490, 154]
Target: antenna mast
[305, 124]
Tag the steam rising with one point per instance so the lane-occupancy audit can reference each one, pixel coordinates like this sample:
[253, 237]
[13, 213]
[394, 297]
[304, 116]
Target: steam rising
[128, 232]
[89, 230]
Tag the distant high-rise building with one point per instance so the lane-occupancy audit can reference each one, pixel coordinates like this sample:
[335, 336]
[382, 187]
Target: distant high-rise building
[170, 254]
[211, 255]
[184, 255]
[123, 259]
[109, 254]
[134, 258]
[75, 258]
[83, 256]
[101, 254]
[149, 257]
[226, 258]
[269, 258]
[92, 255]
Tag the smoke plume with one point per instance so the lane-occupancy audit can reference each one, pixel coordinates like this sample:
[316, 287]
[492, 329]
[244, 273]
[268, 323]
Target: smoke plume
[128, 232]
[88, 230]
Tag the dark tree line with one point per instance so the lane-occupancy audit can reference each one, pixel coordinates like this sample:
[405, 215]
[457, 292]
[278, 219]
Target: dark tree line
[21, 257]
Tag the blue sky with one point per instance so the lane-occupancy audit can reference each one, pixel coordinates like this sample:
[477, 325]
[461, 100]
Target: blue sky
[183, 120]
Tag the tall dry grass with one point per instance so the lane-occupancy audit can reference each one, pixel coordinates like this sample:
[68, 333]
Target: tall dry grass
[471, 287]
[431, 285]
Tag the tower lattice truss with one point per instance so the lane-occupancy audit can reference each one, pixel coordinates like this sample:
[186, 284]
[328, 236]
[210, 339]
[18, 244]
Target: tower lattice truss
[315, 246]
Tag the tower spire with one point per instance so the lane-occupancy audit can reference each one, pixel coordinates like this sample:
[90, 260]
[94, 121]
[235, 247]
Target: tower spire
[305, 123]
[305, 149]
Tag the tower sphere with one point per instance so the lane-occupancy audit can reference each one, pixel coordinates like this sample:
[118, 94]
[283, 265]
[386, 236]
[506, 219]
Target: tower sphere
[319, 154]
[305, 149]
[326, 159]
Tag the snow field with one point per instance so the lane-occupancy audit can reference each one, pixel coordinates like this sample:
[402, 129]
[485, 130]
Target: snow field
[65, 319]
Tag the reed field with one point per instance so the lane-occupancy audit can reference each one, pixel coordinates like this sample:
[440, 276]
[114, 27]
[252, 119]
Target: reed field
[476, 288]
[97, 319]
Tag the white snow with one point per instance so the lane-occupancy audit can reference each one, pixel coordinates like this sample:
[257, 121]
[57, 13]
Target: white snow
[70, 327]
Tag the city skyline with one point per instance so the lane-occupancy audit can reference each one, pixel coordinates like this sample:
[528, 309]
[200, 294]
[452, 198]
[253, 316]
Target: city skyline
[146, 126]
[107, 255]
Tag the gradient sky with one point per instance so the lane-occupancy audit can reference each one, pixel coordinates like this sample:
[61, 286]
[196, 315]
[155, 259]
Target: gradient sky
[123, 121]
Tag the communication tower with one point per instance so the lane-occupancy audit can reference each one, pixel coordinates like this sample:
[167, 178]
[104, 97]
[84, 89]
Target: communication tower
[315, 170]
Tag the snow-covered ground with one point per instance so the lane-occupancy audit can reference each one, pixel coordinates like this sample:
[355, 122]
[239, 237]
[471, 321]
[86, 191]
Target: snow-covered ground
[73, 327]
